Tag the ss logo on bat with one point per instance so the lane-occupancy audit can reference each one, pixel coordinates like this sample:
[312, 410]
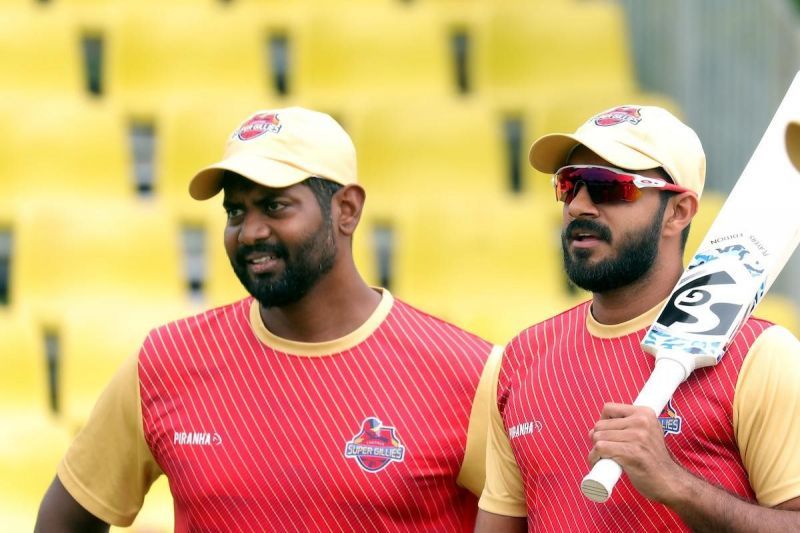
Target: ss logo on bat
[709, 304]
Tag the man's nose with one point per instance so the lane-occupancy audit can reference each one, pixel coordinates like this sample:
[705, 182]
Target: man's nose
[581, 204]
[255, 228]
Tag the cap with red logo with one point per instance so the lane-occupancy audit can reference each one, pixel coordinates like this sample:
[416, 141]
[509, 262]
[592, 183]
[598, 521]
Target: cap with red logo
[631, 137]
[280, 147]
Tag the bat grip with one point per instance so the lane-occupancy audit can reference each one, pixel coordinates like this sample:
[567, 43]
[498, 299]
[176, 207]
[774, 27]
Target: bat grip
[659, 388]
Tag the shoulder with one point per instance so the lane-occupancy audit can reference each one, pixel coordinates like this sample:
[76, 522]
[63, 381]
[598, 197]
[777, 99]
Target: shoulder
[218, 317]
[422, 327]
[527, 342]
[174, 337]
[435, 325]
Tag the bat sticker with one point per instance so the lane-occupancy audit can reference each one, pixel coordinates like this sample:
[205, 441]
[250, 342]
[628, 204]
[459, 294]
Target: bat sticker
[710, 302]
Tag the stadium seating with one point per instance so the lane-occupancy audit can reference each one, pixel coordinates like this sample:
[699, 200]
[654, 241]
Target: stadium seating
[65, 149]
[431, 151]
[371, 52]
[40, 52]
[545, 49]
[185, 50]
[31, 442]
[466, 260]
[110, 254]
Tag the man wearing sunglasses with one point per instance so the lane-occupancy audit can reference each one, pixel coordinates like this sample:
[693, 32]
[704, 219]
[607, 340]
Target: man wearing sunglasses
[723, 455]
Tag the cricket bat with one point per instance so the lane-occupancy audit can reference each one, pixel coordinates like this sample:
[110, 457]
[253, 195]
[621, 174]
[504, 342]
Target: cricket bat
[749, 242]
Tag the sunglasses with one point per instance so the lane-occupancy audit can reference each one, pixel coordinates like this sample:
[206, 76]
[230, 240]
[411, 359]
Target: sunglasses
[605, 184]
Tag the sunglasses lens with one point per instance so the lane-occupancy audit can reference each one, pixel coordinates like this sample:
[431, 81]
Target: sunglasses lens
[603, 184]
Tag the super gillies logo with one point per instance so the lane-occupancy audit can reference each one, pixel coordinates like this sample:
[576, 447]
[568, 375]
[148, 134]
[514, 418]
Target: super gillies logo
[618, 115]
[375, 446]
[258, 125]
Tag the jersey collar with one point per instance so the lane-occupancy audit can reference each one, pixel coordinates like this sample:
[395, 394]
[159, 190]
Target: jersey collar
[609, 331]
[316, 349]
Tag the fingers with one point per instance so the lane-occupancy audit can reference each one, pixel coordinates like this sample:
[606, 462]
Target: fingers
[620, 417]
[623, 431]
[621, 410]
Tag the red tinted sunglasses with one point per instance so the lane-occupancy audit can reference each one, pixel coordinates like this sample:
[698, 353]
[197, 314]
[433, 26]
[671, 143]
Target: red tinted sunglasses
[605, 184]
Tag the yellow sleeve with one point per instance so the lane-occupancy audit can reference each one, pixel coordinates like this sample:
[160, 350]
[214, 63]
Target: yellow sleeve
[109, 468]
[473, 469]
[766, 416]
[503, 493]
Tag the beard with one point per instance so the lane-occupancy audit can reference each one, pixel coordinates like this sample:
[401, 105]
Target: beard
[636, 254]
[304, 266]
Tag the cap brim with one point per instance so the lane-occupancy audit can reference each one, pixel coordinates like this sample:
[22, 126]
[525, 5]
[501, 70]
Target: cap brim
[550, 152]
[267, 172]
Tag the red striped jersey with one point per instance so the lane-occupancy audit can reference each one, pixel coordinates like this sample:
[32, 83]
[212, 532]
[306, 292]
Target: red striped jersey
[255, 432]
[555, 378]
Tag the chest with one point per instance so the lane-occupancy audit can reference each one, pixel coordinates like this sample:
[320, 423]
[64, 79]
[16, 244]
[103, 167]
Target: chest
[291, 435]
[555, 401]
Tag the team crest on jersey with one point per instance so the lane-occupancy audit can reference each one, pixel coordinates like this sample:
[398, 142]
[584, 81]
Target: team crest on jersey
[258, 125]
[618, 115]
[375, 446]
[670, 420]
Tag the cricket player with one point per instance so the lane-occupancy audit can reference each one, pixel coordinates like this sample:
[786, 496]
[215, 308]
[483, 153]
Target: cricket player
[725, 453]
[318, 403]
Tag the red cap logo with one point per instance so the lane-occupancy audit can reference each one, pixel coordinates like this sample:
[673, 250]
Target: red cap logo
[618, 115]
[258, 125]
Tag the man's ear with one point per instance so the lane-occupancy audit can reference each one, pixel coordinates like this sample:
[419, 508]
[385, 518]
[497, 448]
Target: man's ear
[683, 208]
[348, 203]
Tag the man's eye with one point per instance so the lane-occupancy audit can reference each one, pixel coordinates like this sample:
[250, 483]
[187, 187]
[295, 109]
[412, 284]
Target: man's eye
[234, 212]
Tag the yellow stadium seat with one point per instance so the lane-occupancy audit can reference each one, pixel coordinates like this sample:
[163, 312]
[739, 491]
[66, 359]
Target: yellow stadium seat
[94, 254]
[372, 52]
[408, 153]
[467, 259]
[186, 49]
[68, 149]
[40, 52]
[545, 48]
[32, 442]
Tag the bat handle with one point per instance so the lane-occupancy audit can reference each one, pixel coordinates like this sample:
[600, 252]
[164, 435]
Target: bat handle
[659, 388]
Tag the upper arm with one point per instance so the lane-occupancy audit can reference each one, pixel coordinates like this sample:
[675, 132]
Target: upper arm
[60, 512]
[504, 492]
[473, 470]
[108, 468]
[789, 505]
[494, 523]
[766, 416]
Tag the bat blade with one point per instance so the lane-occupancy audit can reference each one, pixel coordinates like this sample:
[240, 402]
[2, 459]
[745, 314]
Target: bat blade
[741, 255]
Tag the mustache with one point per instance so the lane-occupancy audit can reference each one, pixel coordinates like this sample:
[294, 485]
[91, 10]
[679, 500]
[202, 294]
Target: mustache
[276, 250]
[598, 229]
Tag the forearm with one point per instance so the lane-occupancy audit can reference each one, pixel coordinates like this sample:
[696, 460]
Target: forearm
[704, 507]
[60, 512]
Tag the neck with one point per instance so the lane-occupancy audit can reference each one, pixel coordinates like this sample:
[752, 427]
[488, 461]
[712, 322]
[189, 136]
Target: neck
[334, 307]
[625, 303]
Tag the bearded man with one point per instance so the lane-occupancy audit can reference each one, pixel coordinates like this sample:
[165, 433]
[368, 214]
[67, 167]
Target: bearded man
[723, 456]
[318, 403]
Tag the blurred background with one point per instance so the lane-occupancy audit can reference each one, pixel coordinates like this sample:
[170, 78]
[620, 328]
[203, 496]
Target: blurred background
[108, 107]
